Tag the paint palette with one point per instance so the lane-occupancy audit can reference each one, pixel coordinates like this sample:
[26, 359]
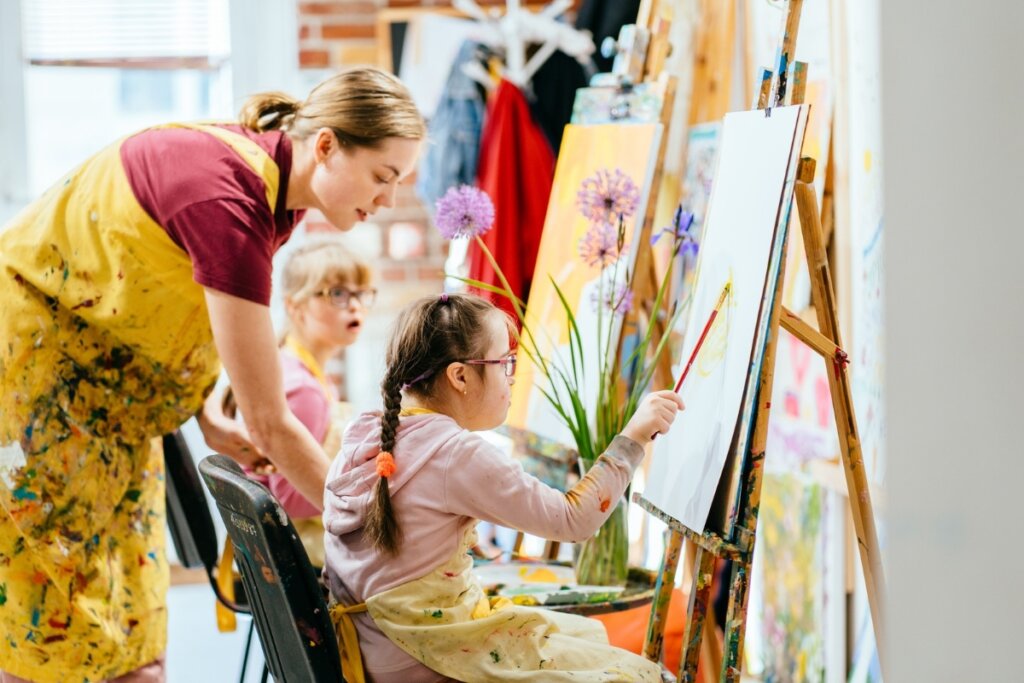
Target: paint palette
[536, 583]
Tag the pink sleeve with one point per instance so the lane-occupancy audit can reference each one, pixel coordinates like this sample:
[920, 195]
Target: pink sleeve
[483, 483]
[309, 404]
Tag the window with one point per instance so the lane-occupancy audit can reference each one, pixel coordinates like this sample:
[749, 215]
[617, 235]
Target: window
[95, 71]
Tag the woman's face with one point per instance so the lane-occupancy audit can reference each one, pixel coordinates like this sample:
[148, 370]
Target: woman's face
[350, 184]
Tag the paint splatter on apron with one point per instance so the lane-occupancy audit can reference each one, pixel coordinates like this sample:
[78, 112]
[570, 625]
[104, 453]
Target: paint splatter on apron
[105, 343]
[445, 620]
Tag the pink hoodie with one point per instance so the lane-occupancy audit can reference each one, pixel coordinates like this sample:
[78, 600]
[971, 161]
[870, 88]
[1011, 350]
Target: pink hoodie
[446, 478]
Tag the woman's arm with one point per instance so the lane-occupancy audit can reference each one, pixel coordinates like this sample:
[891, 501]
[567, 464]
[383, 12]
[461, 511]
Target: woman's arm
[245, 341]
[226, 435]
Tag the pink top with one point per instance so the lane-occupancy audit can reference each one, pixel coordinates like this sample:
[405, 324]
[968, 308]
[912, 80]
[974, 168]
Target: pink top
[447, 478]
[309, 401]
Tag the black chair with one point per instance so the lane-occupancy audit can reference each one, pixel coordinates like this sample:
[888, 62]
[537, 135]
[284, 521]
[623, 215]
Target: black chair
[191, 526]
[287, 600]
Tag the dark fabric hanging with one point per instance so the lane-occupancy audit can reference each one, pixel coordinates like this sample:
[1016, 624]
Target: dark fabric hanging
[554, 88]
[604, 18]
[516, 168]
[555, 83]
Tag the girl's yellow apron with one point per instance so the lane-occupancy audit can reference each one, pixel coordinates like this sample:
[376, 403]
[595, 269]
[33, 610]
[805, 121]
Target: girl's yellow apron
[105, 343]
[445, 621]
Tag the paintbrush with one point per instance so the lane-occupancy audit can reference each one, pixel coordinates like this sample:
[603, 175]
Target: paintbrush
[700, 341]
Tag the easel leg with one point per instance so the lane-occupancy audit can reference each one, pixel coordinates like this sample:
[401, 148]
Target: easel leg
[823, 297]
[655, 640]
[700, 597]
[735, 620]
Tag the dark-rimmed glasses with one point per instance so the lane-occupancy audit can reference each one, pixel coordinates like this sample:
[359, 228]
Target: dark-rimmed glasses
[508, 363]
[342, 296]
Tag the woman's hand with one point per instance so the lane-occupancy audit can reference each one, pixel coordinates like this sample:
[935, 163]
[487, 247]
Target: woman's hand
[228, 437]
[654, 415]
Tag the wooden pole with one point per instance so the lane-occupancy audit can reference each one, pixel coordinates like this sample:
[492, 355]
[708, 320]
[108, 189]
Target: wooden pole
[823, 297]
[698, 607]
[786, 50]
[654, 643]
[735, 620]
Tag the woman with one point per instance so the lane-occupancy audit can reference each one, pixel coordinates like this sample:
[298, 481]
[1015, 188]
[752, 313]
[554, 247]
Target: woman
[122, 287]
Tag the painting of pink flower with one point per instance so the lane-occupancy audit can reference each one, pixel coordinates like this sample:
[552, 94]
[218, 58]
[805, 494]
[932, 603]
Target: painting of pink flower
[599, 246]
[608, 197]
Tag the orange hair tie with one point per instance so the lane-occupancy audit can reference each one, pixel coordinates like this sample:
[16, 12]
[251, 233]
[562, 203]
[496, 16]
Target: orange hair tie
[385, 464]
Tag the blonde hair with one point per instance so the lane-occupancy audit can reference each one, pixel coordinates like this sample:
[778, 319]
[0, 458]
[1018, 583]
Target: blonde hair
[322, 261]
[363, 106]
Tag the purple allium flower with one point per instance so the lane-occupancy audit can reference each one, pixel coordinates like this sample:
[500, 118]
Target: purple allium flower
[619, 301]
[599, 246]
[608, 196]
[464, 211]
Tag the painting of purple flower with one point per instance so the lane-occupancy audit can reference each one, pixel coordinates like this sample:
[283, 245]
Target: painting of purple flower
[464, 211]
[619, 301]
[608, 196]
[599, 246]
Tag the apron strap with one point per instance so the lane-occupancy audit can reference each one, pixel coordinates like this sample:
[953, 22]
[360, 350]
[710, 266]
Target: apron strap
[226, 621]
[348, 640]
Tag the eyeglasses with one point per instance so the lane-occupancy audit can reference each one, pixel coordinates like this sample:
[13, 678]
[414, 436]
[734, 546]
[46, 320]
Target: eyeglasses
[508, 363]
[342, 296]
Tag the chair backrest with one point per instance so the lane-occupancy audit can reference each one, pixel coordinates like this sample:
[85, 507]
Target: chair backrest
[287, 601]
[188, 514]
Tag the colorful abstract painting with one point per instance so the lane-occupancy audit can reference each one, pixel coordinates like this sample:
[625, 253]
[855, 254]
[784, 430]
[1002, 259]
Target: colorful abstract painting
[800, 527]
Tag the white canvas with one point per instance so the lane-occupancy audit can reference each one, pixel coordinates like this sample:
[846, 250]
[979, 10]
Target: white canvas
[752, 190]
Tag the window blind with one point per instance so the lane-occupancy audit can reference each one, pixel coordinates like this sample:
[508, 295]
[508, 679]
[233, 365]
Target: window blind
[149, 33]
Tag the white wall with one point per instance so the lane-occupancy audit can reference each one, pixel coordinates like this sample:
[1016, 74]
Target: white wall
[264, 48]
[953, 99]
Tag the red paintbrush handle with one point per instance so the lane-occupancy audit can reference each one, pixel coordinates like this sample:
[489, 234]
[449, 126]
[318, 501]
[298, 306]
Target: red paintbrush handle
[700, 343]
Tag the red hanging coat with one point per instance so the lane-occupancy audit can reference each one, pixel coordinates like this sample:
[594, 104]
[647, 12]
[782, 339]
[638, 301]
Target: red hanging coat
[516, 169]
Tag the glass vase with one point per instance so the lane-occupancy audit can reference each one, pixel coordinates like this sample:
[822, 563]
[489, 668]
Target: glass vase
[603, 559]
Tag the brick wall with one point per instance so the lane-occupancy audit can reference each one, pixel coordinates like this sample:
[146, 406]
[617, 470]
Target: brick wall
[332, 34]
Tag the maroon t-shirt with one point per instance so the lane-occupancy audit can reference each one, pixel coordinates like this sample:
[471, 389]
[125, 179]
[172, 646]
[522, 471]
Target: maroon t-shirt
[213, 204]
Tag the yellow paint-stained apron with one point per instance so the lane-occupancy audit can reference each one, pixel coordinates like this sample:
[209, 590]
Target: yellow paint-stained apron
[445, 621]
[105, 343]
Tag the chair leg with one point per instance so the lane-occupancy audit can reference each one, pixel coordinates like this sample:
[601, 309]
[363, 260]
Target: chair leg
[248, 645]
[266, 673]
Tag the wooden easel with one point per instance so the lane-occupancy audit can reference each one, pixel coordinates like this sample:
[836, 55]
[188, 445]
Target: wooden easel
[826, 341]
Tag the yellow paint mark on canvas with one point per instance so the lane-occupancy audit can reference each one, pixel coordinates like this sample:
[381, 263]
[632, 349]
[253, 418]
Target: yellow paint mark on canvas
[867, 161]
